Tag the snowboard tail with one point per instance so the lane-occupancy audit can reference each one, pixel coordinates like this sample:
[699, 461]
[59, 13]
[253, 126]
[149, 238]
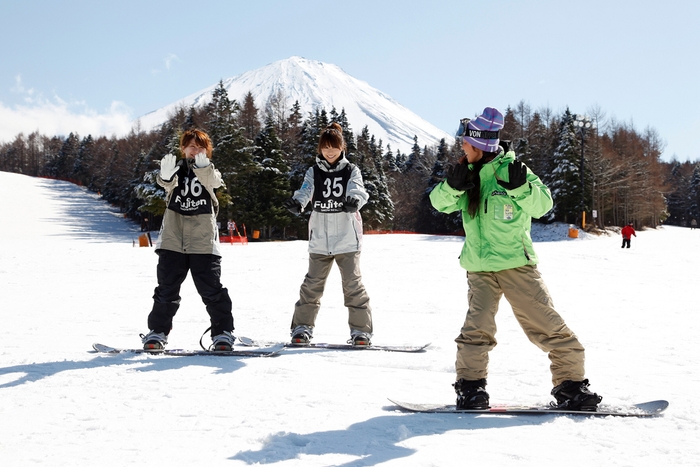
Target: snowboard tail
[263, 352]
[645, 409]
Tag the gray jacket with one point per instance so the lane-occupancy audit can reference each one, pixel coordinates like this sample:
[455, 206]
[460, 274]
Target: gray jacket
[337, 232]
[191, 234]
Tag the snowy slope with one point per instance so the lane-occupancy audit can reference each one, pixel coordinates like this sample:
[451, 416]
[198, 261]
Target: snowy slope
[321, 85]
[70, 276]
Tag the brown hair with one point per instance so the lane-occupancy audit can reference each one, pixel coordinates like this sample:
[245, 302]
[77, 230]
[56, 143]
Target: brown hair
[200, 138]
[332, 137]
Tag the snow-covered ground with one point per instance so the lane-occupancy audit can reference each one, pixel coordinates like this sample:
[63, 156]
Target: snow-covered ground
[70, 276]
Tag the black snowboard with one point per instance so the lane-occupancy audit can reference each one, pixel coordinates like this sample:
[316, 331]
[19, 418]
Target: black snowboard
[645, 409]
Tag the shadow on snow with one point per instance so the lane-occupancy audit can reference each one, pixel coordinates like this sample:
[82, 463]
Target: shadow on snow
[87, 216]
[375, 440]
[33, 372]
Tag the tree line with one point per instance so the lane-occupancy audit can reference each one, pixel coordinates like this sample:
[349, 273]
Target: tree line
[263, 150]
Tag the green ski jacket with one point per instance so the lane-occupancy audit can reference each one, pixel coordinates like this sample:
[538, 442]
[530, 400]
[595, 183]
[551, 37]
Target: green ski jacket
[498, 237]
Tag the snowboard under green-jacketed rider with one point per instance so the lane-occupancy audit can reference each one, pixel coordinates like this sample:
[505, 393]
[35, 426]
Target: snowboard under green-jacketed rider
[498, 196]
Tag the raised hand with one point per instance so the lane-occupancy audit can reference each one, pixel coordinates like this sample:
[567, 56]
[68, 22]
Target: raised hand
[457, 177]
[167, 167]
[517, 176]
[201, 160]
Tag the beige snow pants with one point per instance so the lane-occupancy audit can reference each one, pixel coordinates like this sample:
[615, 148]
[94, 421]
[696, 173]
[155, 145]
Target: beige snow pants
[532, 306]
[356, 298]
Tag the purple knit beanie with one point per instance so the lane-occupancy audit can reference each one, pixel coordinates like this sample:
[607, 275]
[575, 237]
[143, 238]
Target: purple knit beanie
[483, 133]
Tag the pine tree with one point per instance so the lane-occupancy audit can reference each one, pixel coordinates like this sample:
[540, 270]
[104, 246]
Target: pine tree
[308, 146]
[62, 165]
[379, 209]
[677, 202]
[389, 162]
[232, 154]
[220, 114]
[432, 221]
[414, 157]
[270, 185]
[348, 134]
[694, 195]
[82, 167]
[564, 180]
[249, 117]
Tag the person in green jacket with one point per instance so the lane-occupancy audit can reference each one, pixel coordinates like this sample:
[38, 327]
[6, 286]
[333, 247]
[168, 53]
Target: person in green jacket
[498, 196]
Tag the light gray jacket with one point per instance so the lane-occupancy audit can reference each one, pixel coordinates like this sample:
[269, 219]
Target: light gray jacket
[334, 233]
[196, 234]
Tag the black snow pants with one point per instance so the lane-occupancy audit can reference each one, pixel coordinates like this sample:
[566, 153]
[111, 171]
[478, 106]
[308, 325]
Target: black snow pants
[206, 274]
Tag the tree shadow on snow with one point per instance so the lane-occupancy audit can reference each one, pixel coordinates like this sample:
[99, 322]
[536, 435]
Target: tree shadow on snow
[87, 216]
[375, 440]
[33, 372]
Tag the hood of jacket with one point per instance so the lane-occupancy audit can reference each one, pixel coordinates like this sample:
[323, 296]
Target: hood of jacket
[338, 165]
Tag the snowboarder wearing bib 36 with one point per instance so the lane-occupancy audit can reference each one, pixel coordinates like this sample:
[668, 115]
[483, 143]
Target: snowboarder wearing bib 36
[498, 197]
[189, 241]
[335, 189]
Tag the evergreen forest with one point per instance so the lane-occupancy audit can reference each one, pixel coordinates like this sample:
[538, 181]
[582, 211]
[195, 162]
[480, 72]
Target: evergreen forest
[606, 169]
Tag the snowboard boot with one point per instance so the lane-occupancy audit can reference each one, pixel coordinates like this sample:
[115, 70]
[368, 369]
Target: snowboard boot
[471, 394]
[154, 340]
[301, 335]
[574, 395]
[222, 342]
[360, 339]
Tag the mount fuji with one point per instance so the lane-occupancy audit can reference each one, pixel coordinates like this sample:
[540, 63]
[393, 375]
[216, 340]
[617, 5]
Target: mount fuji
[315, 85]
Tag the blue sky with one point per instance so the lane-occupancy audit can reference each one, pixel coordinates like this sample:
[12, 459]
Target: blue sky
[94, 66]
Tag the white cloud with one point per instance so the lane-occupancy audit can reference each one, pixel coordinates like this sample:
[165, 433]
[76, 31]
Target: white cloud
[58, 117]
[19, 88]
[170, 59]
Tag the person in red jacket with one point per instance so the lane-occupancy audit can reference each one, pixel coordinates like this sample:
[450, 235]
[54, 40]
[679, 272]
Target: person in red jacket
[627, 232]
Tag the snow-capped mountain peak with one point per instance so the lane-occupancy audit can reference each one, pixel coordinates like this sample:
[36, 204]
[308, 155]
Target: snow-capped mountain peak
[315, 84]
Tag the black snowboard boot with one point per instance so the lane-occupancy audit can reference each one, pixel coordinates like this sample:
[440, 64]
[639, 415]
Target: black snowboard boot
[471, 394]
[574, 395]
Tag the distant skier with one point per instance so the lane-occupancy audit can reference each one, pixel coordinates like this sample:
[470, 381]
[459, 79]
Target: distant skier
[189, 241]
[335, 189]
[498, 196]
[627, 232]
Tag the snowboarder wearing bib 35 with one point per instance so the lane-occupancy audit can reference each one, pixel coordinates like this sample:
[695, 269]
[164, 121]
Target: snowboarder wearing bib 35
[498, 197]
[189, 241]
[335, 189]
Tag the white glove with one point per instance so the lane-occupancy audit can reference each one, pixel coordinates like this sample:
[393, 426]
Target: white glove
[201, 160]
[167, 167]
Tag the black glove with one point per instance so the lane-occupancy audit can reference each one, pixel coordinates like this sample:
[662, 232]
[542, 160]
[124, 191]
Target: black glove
[350, 204]
[517, 176]
[457, 177]
[292, 205]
